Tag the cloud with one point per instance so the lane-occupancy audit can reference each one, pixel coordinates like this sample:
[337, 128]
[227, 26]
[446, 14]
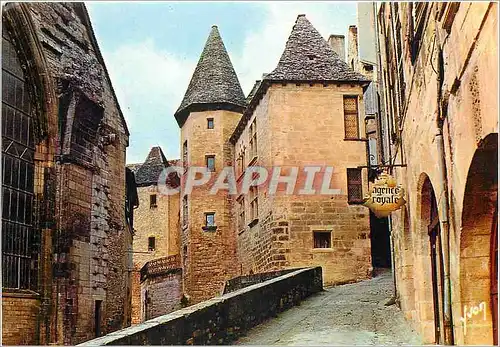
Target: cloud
[149, 83]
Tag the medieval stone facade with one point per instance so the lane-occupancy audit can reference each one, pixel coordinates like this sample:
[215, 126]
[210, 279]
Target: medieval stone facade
[308, 111]
[156, 222]
[440, 76]
[66, 235]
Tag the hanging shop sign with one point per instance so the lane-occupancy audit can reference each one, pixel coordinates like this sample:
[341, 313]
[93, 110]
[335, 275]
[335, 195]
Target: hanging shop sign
[385, 197]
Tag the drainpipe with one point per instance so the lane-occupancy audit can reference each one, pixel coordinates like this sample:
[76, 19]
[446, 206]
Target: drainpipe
[443, 198]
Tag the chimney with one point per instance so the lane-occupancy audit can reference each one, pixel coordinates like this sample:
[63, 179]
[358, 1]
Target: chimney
[352, 48]
[337, 42]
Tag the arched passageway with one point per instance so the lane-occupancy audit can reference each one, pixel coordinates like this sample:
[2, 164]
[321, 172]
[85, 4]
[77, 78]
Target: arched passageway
[479, 246]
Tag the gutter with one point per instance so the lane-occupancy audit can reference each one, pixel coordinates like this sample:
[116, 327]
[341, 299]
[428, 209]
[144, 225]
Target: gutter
[443, 204]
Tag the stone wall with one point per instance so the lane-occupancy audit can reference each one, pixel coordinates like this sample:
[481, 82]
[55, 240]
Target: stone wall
[223, 319]
[19, 319]
[467, 35]
[161, 294]
[81, 208]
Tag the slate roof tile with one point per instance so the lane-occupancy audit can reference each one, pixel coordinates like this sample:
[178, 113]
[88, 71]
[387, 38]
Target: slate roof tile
[308, 57]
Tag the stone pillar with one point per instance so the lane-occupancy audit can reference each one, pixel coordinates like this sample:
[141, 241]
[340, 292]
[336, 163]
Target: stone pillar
[337, 42]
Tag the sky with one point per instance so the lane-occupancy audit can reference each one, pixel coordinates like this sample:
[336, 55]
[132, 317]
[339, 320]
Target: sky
[151, 49]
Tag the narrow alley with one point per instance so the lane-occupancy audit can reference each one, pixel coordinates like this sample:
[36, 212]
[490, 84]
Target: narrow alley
[352, 314]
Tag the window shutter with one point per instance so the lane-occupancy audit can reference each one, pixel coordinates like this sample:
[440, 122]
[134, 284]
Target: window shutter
[354, 186]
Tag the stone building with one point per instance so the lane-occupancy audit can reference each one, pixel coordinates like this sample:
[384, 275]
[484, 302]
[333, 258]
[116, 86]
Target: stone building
[67, 200]
[156, 222]
[440, 75]
[308, 111]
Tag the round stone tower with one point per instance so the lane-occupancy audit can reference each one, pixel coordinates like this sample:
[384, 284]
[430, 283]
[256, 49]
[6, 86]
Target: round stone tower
[211, 109]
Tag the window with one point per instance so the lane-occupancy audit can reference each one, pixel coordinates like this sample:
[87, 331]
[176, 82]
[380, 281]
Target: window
[254, 205]
[152, 201]
[241, 163]
[399, 60]
[210, 123]
[241, 213]
[354, 186]
[351, 126]
[210, 219]
[210, 162]
[185, 210]
[20, 238]
[322, 239]
[253, 139]
[419, 14]
[185, 155]
[184, 255]
[151, 243]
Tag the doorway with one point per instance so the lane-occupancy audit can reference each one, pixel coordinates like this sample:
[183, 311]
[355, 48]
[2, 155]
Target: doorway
[97, 318]
[432, 265]
[437, 268]
[380, 242]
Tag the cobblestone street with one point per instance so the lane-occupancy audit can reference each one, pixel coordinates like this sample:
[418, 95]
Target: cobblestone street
[352, 314]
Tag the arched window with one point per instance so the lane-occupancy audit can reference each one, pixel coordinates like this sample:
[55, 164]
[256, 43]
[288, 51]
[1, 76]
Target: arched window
[19, 235]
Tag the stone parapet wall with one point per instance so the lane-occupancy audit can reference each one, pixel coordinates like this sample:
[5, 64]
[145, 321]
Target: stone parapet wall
[240, 282]
[223, 319]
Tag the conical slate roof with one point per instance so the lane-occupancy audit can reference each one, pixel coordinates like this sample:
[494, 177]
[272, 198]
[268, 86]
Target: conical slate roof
[149, 172]
[214, 84]
[308, 57]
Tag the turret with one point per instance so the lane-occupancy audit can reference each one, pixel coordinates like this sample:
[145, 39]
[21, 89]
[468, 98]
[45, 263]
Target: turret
[208, 114]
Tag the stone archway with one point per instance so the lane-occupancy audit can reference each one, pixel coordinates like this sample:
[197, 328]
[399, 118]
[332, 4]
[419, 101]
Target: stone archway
[478, 245]
[428, 265]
